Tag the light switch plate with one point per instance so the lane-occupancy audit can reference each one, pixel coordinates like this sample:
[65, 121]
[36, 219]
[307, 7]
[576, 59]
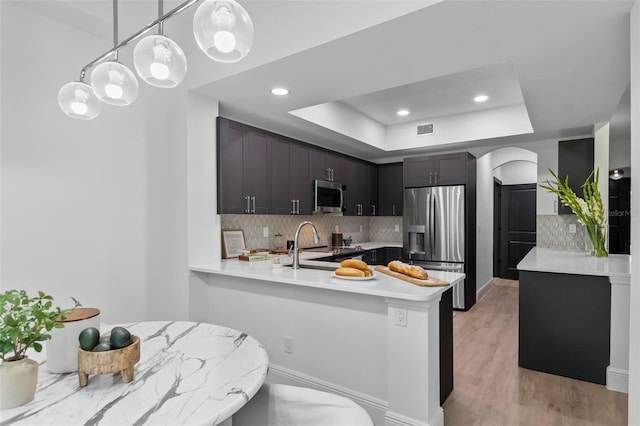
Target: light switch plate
[265, 232]
[572, 228]
[397, 228]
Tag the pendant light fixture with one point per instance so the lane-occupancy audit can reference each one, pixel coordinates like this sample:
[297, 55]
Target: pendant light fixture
[223, 30]
[159, 60]
[77, 100]
[112, 82]
[616, 174]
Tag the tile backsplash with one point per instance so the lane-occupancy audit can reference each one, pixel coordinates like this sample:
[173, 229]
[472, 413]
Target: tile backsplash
[552, 231]
[283, 228]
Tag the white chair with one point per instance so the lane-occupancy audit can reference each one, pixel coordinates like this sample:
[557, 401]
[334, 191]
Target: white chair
[284, 405]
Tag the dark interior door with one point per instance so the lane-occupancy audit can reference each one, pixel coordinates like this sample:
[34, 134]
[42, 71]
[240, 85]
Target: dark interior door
[518, 226]
[497, 223]
[620, 216]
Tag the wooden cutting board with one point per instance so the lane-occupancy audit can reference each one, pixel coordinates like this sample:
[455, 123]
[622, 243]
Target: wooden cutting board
[429, 282]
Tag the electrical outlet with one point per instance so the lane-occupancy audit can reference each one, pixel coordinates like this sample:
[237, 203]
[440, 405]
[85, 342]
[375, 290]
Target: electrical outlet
[288, 344]
[397, 228]
[265, 232]
[360, 228]
[401, 317]
[572, 228]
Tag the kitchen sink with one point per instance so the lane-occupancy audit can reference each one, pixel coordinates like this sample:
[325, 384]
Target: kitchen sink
[319, 266]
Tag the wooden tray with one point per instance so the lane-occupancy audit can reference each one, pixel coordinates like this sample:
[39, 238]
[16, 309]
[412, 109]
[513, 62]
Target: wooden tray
[429, 282]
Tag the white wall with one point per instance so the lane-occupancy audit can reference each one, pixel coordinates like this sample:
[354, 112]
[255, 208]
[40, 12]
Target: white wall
[204, 223]
[90, 209]
[634, 339]
[601, 161]
[487, 163]
[517, 172]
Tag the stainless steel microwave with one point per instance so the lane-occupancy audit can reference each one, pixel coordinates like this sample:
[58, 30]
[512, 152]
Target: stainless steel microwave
[329, 197]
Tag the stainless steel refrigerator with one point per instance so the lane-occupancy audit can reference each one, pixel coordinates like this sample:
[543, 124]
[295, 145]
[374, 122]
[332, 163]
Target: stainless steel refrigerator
[434, 234]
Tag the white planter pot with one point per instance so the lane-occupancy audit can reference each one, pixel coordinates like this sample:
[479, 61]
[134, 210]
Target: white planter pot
[18, 380]
[62, 349]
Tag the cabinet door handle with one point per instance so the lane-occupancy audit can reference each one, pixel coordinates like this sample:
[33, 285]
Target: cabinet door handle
[293, 206]
[328, 173]
[430, 178]
[297, 206]
[373, 209]
[393, 210]
[253, 201]
[436, 180]
[248, 209]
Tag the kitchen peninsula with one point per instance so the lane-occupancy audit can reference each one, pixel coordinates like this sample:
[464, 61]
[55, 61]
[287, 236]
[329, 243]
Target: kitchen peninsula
[374, 341]
[574, 315]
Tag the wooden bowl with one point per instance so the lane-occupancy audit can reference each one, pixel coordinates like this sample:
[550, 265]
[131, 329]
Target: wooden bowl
[114, 361]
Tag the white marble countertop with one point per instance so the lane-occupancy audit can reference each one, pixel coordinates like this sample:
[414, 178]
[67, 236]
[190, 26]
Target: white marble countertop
[188, 373]
[615, 266]
[382, 285]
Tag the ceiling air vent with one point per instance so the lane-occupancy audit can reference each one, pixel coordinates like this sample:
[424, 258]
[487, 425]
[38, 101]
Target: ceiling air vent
[425, 129]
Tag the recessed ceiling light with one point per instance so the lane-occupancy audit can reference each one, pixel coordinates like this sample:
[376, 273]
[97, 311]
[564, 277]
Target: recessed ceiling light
[481, 98]
[403, 112]
[280, 91]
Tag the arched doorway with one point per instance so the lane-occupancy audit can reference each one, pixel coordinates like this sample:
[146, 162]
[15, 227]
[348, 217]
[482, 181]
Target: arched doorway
[507, 212]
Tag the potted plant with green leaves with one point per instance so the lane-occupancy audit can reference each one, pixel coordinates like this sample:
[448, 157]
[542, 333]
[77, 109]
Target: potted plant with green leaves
[25, 321]
[589, 208]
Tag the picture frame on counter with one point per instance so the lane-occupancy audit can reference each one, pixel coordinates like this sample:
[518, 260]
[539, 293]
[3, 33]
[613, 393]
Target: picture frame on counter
[233, 243]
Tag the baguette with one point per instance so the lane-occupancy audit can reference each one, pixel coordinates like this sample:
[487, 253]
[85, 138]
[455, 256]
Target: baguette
[414, 271]
[350, 272]
[354, 263]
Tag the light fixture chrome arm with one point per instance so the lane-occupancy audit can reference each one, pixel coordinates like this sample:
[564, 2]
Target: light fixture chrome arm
[179, 9]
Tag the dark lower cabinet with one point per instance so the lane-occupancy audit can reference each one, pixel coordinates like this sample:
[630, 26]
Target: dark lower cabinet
[392, 253]
[446, 345]
[564, 325]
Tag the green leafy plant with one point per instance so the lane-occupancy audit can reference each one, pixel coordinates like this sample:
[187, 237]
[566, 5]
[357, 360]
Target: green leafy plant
[25, 322]
[589, 209]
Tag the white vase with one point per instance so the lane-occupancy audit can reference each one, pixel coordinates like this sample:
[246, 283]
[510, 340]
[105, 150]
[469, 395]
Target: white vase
[18, 380]
[62, 348]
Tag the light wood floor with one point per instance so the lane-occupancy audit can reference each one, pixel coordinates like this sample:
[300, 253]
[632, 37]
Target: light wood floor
[490, 388]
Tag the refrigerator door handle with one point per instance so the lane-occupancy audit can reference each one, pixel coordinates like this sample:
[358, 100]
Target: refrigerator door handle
[432, 225]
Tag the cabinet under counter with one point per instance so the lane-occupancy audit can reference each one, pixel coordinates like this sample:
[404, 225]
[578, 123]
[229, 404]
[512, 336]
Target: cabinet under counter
[574, 315]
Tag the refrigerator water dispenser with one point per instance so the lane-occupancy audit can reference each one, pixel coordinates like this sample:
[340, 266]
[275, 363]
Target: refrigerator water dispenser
[416, 239]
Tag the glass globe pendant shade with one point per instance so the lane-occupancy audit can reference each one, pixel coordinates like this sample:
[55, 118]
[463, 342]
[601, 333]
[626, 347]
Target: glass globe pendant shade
[223, 30]
[114, 83]
[159, 61]
[77, 100]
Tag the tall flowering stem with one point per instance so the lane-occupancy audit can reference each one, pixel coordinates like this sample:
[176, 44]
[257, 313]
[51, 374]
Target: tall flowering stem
[589, 209]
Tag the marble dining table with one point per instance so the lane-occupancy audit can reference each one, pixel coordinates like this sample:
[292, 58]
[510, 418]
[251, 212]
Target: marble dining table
[188, 373]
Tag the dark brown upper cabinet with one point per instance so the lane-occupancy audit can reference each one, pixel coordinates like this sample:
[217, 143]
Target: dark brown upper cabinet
[242, 168]
[436, 170]
[390, 189]
[575, 159]
[291, 189]
[326, 165]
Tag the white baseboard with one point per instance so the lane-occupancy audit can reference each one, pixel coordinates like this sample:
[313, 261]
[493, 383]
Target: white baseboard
[376, 407]
[482, 291]
[617, 380]
[395, 419]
